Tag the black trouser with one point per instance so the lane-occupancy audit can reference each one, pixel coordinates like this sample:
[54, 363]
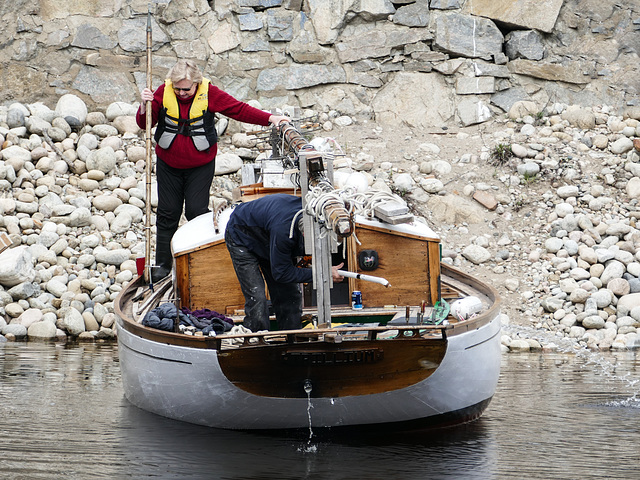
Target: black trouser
[178, 187]
[286, 297]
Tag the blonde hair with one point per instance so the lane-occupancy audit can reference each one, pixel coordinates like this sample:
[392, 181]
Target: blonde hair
[185, 70]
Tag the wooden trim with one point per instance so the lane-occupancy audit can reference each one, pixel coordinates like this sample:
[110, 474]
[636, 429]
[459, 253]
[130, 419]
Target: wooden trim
[352, 262]
[246, 193]
[183, 290]
[483, 288]
[433, 270]
[200, 247]
[397, 233]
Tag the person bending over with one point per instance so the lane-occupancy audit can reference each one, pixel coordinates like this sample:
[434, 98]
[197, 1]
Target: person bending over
[261, 249]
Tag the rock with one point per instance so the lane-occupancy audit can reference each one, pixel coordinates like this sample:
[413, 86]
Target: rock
[621, 146]
[396, 101]
[16, 117]
[16, 266]
[108, 132]
[71, 321]
[18, 331]
[600, 141]
[118, 109]
[16, 156]
[522, 108]
[36, 125]
[602, 298]
[519, 346]
[568, 191]
[413, 15]
[466, 35]
[122, 223]
[528, 169]
[627, 303]
[472, 112]
[613, 270]
[227, 163]
[356, 180]
[579, 117]
[126, 125]
[72, 109]
[593, 322]
[244, 140]
[453, 209]
[476, 254]
[106, 203]
[111, 257]
[42, 330]
[524, 44]
[96, 118]
[552, 304]
[431, 185]
[486, 199]
[403, 182]
[633, 188]
[90, 322]
[29, 317]
[103, 160]
[541, 15]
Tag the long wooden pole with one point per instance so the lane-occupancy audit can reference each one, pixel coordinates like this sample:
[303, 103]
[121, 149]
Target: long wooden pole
[147, 249]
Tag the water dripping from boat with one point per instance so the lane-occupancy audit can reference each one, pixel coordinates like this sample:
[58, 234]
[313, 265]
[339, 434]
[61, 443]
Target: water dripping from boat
[598, 360]
[308, 387]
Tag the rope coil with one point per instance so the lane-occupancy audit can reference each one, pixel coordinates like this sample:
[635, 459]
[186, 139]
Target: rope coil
[321, 203]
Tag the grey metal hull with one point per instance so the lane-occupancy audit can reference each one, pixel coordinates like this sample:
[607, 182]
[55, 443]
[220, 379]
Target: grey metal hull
[187, 384]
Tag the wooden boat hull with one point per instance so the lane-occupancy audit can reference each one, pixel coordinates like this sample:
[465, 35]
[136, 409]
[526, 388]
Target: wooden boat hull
[189, 384]
[421, 376]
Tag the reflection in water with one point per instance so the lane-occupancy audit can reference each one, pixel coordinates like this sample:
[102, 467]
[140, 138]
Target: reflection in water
[564, 422]
[554, 416]
[170, 447]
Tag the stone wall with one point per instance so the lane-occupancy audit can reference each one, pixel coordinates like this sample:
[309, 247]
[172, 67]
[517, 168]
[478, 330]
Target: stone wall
[428, 63]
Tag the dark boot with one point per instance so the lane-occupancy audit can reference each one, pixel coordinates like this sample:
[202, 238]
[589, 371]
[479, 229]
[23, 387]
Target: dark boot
[164, 259]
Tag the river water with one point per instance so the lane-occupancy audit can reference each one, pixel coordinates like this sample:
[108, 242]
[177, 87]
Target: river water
[554, 416]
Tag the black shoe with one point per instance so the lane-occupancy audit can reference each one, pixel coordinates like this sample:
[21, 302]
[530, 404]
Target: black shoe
[158, 273]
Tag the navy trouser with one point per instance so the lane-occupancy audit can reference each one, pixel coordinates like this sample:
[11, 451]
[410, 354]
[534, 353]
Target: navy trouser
[178, 187]
[252, 272]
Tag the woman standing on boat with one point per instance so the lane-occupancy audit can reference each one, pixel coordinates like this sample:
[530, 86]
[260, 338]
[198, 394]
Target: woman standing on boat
[186, 146]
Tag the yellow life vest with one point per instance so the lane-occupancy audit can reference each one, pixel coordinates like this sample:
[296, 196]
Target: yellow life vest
[200, 125]
[199, 105]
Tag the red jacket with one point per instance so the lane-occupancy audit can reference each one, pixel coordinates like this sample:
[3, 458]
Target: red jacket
[183, 153]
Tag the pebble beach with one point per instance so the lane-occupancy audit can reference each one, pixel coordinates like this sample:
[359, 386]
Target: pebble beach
[72, 202]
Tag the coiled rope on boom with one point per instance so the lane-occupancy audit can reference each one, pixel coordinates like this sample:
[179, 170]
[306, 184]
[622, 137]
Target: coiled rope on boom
[319, 201]
[330, 207]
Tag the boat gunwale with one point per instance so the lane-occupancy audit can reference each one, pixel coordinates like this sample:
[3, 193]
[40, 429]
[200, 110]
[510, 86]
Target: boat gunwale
[304, 335]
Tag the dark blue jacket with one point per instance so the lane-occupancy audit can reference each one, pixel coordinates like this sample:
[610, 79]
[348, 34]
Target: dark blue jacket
[262, 226]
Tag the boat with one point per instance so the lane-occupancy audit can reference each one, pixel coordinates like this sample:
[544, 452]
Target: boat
[423, 350]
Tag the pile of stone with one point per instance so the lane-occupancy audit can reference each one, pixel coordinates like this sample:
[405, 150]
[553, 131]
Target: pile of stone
[565, 247]
[573, 260]
[72, 202]
[72, 197]
[70, 183]
[589, 266]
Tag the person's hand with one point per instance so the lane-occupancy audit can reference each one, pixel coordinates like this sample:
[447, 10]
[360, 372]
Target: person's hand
[334, 273]
[276, 120]
[147, 96]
